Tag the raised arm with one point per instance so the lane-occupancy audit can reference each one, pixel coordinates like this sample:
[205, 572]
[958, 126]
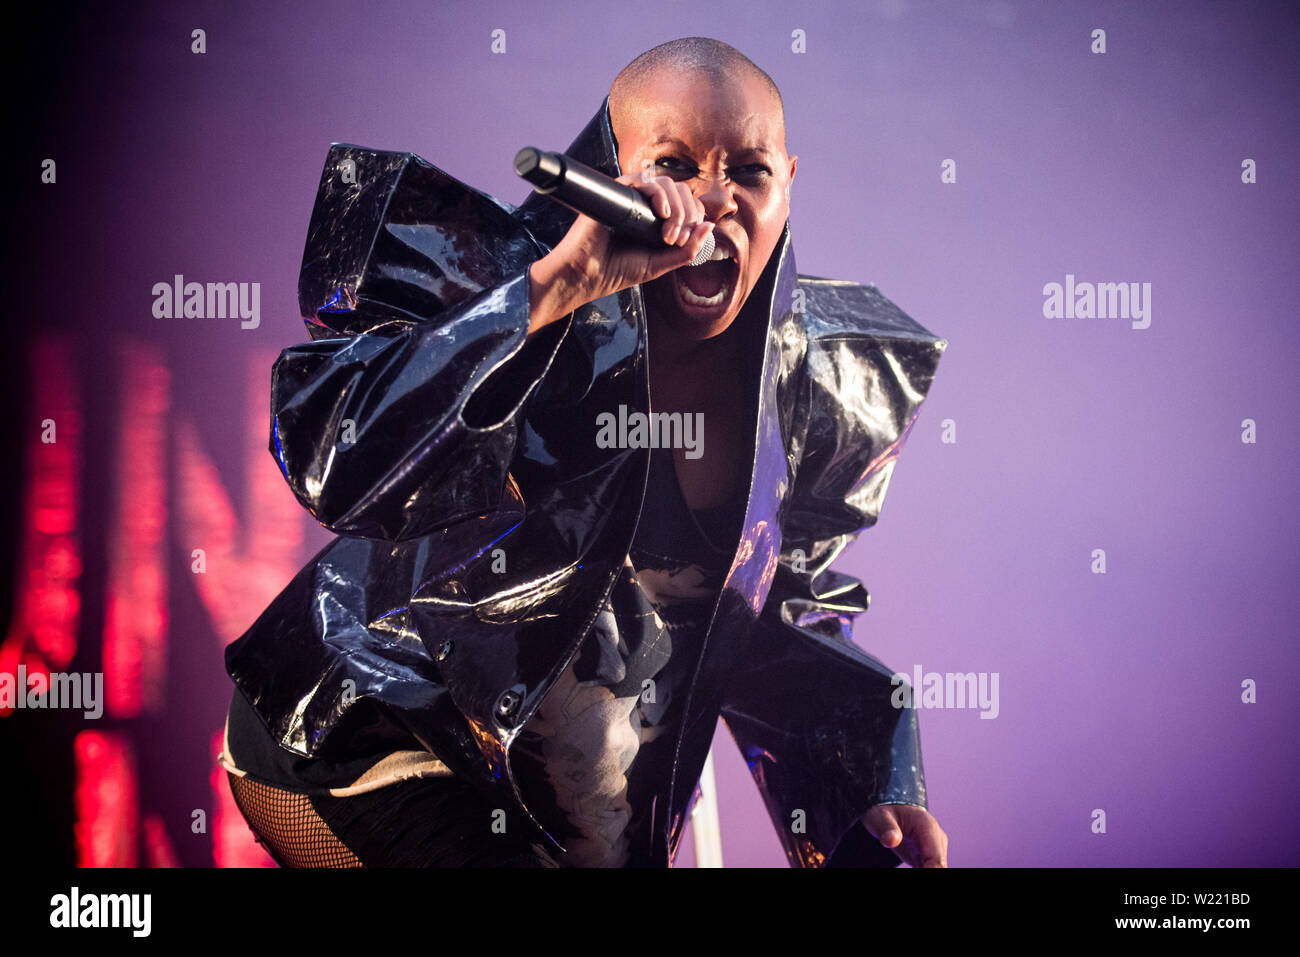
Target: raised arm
[434, 316]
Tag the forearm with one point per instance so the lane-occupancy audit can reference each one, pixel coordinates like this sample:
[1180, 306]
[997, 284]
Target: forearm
[552, 293]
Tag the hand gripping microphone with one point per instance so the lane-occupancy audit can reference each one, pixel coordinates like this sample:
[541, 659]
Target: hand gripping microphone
[592, 193]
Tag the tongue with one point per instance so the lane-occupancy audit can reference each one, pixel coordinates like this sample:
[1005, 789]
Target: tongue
[708, 279]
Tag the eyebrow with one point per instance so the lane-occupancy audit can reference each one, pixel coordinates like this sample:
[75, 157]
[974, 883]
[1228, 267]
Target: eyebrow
[663, 140]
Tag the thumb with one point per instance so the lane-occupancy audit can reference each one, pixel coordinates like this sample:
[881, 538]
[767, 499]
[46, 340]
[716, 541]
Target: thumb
[882, 823]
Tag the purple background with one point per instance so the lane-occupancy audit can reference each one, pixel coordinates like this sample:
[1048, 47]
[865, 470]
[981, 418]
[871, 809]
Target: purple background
[1118, 691]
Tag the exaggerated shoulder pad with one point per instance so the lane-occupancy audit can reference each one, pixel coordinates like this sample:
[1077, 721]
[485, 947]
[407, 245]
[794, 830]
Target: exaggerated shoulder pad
[866, 370]
[395, 238]
[834, 307]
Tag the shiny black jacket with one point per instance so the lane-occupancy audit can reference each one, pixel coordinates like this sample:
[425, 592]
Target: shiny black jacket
[424, 428]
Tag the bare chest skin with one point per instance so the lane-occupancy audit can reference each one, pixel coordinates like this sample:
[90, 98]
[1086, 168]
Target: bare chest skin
[713, 388]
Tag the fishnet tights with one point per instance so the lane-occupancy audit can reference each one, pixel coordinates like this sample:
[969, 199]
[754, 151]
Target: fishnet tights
[288, 826]
[435, 822]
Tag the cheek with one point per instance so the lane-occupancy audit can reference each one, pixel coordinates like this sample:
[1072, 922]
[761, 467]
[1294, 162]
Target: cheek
[762, 241]
[764, 213]
[767, 216]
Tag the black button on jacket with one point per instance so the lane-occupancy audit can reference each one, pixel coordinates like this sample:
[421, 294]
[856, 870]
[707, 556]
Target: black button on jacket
[481, 526]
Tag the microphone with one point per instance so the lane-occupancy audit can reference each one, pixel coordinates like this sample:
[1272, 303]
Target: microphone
[592, 193]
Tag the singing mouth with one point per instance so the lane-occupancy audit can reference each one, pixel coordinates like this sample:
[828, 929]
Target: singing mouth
[710, 283]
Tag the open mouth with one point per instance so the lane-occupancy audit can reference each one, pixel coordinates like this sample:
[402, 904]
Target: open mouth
[709, 284]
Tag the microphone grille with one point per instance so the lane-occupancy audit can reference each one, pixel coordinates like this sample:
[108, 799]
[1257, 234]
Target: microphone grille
[705, 251]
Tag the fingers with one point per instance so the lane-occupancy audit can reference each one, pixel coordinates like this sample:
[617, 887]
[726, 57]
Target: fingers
[930, 841]
[673, 202]
[909, 831]
[670, 257]
[687, 212]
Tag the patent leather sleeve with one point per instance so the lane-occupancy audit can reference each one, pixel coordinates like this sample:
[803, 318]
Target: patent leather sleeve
[813, 713]
[401, 415]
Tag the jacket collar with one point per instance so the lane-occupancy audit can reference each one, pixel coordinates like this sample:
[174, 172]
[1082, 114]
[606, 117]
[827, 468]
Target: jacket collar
[595, 146]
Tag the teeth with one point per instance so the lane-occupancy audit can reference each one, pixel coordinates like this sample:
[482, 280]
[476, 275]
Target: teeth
[695, 300]
[719, 253]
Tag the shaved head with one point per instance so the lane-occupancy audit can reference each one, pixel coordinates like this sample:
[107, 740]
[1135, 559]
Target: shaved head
[716, 61]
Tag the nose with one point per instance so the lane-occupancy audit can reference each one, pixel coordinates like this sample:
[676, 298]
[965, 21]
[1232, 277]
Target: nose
[717, 195]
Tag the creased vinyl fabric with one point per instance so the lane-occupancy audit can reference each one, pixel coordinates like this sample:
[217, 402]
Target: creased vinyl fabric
[424, 428]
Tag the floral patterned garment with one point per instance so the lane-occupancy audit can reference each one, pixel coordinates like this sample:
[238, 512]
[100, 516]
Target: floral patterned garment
[594, 761]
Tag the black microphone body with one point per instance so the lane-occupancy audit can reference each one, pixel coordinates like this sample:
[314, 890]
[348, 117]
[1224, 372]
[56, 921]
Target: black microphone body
[592, 193]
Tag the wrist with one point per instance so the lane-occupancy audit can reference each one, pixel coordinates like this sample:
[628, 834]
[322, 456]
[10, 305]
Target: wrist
[551, 292]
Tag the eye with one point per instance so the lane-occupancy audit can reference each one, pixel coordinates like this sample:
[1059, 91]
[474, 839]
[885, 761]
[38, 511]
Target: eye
[675, 167]
[751, 174]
